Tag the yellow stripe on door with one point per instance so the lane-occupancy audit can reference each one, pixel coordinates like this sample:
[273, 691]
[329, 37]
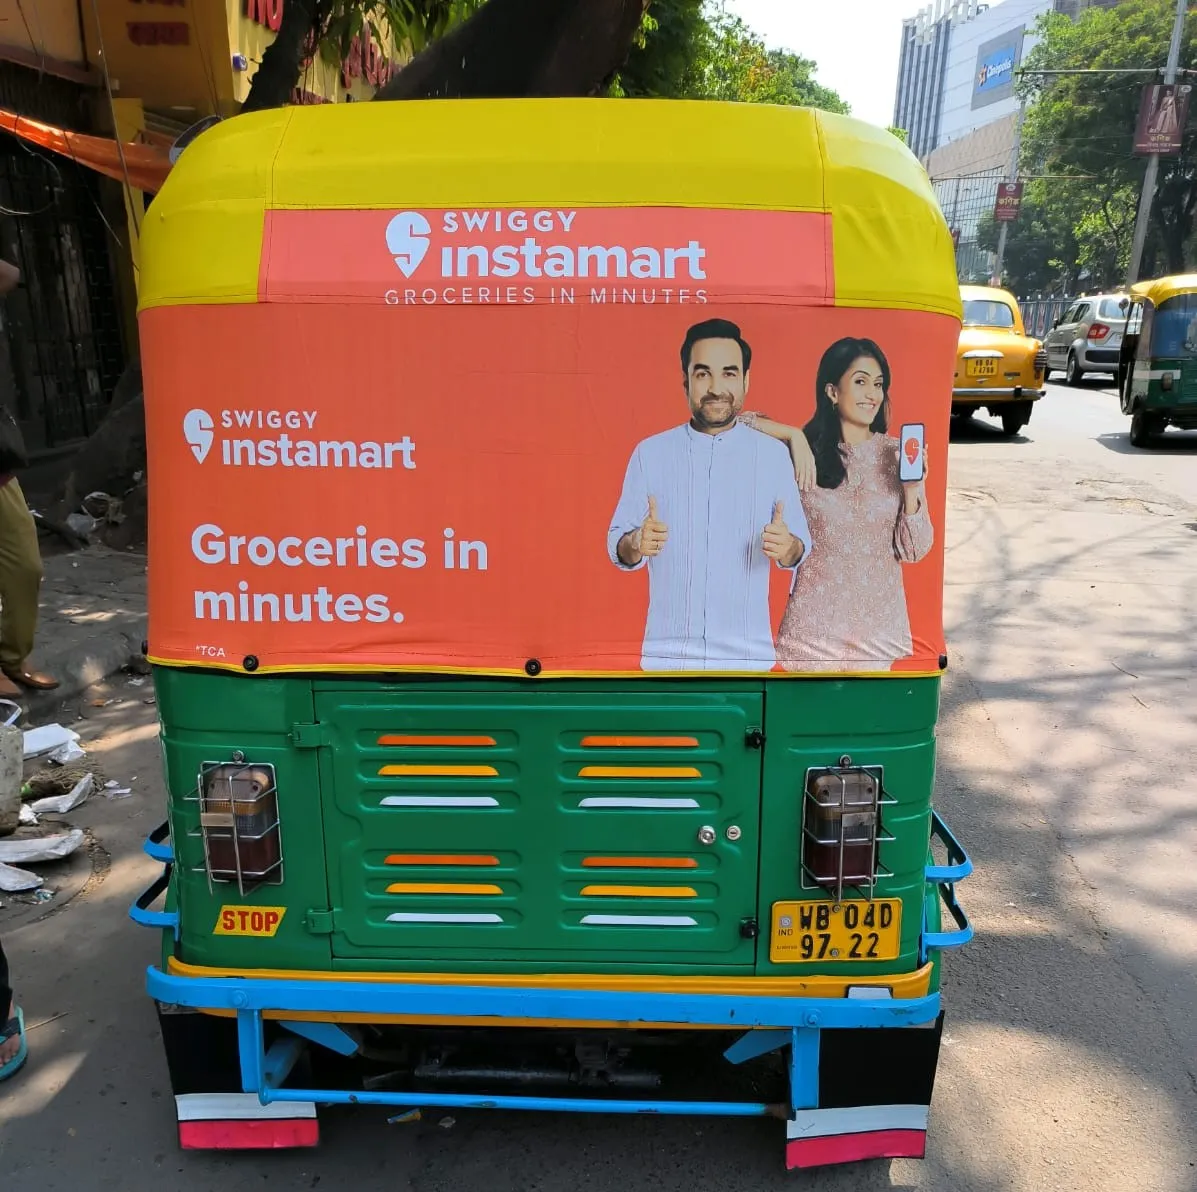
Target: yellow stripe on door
[639, 742]
[430, 771]
[639, 772]
[443, 888]
[639, 892]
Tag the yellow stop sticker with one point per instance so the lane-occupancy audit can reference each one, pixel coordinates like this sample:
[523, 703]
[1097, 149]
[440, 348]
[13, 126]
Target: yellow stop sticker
[249, 920]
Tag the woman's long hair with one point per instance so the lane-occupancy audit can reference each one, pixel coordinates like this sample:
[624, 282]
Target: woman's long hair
[824, 432]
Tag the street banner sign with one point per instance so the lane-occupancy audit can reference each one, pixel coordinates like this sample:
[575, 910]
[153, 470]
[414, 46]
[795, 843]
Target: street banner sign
[1163, 112]
[1009, 201]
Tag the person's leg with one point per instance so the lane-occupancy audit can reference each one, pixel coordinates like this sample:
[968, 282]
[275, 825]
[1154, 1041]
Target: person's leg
[20, 586]
[8, 1047]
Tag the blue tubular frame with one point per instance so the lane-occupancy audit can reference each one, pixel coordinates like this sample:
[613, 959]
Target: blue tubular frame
[944, 878]
[770, 1023]
[793, 1021]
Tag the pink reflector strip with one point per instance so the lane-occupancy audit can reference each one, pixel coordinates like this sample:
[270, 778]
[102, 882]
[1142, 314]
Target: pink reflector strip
[249, 1134]
[850, 1148]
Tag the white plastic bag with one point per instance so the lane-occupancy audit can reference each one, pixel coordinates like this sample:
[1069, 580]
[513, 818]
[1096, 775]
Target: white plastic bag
[47, 738]
[61, 804]
[13, 879]
[40, 848]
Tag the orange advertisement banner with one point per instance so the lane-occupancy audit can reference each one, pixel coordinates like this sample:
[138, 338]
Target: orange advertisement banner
[597, 255]
[740, 479]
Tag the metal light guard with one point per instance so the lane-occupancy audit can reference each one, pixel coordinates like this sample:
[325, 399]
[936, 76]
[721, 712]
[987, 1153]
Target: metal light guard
[867, 814]
[221, 826]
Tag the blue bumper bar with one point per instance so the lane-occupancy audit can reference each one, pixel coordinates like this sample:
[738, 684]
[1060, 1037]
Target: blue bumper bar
[770, 1023]
[255, 994]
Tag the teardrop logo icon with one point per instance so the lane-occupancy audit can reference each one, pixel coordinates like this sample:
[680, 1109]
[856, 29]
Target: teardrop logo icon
[407, 238]
[197, 430]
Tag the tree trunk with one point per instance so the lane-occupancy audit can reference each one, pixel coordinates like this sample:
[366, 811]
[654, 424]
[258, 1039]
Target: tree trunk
[113, 461]
[524, 48]
[282, 61]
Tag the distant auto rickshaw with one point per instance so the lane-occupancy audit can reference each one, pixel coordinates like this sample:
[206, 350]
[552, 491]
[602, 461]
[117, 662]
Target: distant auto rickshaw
[481, 795]
[1157, 367]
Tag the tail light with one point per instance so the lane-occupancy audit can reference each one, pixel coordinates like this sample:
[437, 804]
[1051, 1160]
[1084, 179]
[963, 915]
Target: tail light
[1098, 332]
[1041, 360]
[239, 824]
[1166, 381]
[841, 827]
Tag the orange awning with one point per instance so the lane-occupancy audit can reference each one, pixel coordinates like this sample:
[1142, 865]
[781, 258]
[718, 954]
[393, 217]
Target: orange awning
[145, 166]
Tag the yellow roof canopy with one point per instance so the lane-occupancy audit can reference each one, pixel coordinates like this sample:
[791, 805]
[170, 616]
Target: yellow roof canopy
[1160, 289]
[202, 236]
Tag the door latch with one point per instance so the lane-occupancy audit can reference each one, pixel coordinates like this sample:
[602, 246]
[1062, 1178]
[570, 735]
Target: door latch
[749, 929]
[754, 738]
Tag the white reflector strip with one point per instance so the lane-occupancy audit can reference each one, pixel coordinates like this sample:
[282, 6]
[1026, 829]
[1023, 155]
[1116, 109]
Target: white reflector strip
[610, 801]
[440, 801]
[856, 1119]
[417, 917]
[639, 921]
[238, 1107]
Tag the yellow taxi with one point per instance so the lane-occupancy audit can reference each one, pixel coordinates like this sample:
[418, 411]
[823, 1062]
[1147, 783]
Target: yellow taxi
[998, 366]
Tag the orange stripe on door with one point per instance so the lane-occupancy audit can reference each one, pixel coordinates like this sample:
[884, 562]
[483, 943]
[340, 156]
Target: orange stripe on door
[402, 739]
[639, 863]
[639, 772]
[639, 891]
[434, 771]
[440, 859]
[639, 742]
[443, 888]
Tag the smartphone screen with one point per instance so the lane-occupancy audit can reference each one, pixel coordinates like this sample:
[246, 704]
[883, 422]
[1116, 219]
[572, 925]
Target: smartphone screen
[910, 448]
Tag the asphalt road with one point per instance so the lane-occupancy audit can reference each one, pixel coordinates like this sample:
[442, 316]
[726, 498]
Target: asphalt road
[1067, 751]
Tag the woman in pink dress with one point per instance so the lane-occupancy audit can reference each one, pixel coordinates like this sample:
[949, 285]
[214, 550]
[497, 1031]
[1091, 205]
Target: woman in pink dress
[847, 609]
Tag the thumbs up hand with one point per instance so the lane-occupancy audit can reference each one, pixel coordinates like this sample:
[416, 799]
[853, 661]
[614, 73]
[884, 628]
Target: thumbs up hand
[777, 541]
[653, 532]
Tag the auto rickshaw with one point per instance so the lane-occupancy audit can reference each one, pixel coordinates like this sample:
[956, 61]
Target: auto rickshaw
[1157, 366]
[479, 794]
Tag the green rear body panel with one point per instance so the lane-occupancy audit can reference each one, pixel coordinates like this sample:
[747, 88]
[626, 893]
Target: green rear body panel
[537, 794]
[1181, 399]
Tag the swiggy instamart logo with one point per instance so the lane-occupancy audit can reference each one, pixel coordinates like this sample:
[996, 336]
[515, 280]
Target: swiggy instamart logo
[511, 243]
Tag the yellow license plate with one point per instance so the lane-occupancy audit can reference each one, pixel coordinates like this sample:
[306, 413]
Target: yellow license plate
[822, 931]
[981, 368]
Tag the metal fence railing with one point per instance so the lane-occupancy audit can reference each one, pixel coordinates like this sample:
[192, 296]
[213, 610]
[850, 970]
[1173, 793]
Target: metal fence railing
[1038, 314]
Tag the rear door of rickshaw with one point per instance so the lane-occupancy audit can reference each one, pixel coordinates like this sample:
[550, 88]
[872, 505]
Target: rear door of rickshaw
[596, 825]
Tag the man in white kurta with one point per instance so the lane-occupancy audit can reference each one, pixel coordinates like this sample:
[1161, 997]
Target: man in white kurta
[708, 508]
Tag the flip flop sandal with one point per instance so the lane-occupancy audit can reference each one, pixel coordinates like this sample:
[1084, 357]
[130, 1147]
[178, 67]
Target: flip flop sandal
[14, 1027]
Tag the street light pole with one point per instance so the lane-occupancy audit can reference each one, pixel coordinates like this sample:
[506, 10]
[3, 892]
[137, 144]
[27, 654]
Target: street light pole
[1153, 162]
[1002, 232]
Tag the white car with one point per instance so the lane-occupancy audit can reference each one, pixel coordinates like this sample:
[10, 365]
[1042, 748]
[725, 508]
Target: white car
[1087, 336]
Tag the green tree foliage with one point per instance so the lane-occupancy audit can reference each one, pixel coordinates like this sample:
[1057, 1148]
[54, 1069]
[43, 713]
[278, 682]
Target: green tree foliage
[1081, 127]
[733, 63]
[1041, 249]
[678, 49]
[666, 55]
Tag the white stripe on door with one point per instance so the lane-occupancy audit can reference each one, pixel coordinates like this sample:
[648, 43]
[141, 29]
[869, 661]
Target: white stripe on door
[615, 801]
[440, 801]
[639, 921]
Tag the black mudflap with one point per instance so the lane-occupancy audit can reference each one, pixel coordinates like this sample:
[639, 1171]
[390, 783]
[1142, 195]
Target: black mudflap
[213, 1112]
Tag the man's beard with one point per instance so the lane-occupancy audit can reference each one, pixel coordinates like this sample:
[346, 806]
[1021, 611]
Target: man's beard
[704, 417]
